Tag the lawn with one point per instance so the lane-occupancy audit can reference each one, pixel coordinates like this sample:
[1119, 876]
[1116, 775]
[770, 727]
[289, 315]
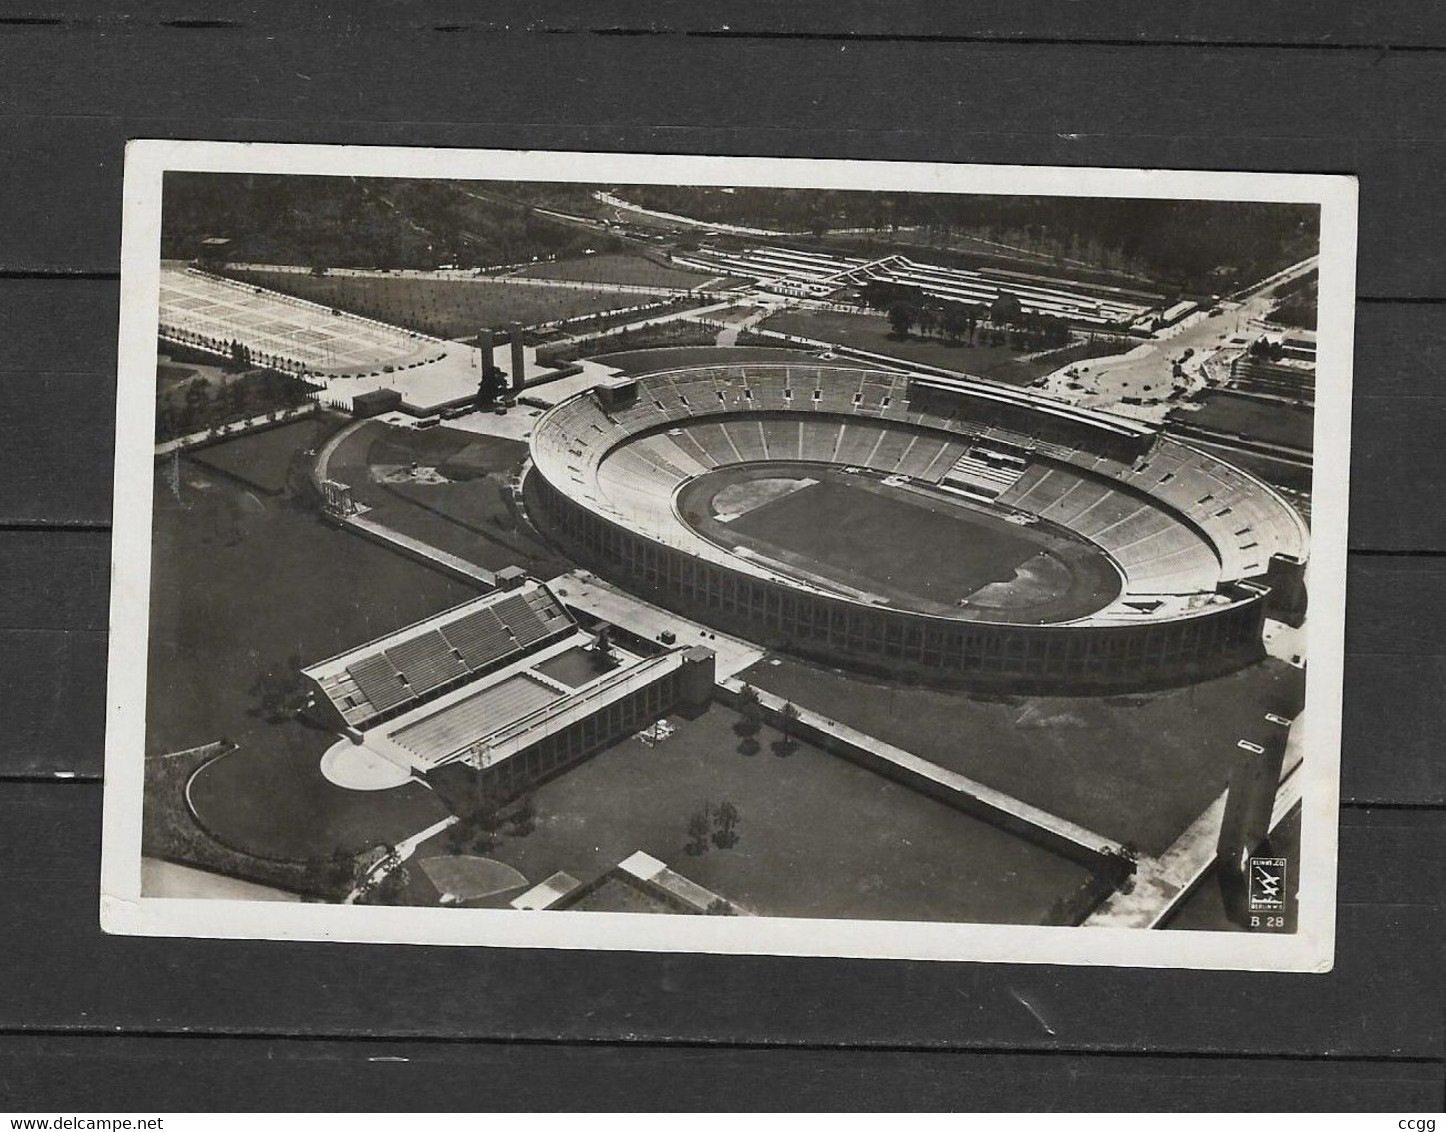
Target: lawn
[850, 529]
[818, 835]
[872, 332]
[1134, 768]
[951, 551]
[462, 509]
[618, 267]
[269, 799]
[263, 458]
[242, 583]
[1268, 421]
[444, 308]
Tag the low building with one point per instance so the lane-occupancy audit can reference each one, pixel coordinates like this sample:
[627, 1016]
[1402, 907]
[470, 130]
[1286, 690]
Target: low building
[375, 402]
[508, 685]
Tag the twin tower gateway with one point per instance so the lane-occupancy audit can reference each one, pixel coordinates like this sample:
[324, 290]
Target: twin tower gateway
[496, 384]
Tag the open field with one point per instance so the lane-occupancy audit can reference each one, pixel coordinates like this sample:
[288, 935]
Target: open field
[621, 268]
[444, 308]
[263, 458]
[872, 332]
[456, 501]
[1269, 421]
[267, 322]
[948, 555]
[271, 800]
[242, 584]
[1134, 768]
[818, 836]
[918, 552]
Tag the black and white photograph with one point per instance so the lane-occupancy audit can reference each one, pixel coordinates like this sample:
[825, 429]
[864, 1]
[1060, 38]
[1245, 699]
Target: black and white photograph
[729, 555]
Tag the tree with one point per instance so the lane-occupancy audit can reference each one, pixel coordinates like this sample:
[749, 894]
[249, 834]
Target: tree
[1005, 310]
[954, 322]
[725, 819]
[236, 398]
[493, 384]
[698, 829]
[750, 711]
[902, 316]
[389, 884]
[197, 402]
[787, 741]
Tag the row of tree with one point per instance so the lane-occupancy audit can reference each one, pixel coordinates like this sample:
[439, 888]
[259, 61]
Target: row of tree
[1003, 322]
[253, 394]
[750, 723]
[359, 222]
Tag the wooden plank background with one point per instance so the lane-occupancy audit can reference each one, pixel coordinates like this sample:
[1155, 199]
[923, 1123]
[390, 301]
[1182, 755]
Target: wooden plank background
[151, 1024]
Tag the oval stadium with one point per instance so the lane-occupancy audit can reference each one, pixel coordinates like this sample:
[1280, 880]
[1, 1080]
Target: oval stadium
[945, 527]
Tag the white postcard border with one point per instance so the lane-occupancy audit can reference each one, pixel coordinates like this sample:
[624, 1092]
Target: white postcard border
[124, 910]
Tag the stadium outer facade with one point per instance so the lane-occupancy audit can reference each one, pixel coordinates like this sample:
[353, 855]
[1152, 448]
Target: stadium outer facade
[1203, 549]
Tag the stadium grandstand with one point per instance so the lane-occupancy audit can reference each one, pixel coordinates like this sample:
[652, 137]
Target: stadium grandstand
[817, 275]
[1182, 553]
[507, 683]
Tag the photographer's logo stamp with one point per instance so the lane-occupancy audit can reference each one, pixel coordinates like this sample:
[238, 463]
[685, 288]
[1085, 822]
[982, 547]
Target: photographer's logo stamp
[1267, 884]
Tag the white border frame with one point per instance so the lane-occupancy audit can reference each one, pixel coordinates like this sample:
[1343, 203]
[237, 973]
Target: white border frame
[123, 910]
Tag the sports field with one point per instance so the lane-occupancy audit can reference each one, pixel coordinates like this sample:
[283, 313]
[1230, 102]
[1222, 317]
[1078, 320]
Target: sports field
[1134, 768]
[445, 308]
[877, 541]
[894, 540]
[455, 500]
[872, 332]
[817, 835]
[619, 267]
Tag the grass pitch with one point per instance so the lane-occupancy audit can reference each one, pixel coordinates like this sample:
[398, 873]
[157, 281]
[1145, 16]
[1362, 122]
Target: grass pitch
[872, 332]
[877, 541]
[1134, 768]
[817, 835]
[445, 308]
[890, 541]
[620, 268]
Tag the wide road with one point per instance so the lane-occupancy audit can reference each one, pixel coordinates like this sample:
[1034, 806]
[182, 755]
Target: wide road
[1104, 381]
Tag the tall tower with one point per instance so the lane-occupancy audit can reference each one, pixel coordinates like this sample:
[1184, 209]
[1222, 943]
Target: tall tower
[519, 364]
[485, 346]
[1251, 798]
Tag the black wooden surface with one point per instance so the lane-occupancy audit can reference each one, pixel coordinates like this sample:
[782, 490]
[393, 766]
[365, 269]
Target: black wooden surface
[197, 1024]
